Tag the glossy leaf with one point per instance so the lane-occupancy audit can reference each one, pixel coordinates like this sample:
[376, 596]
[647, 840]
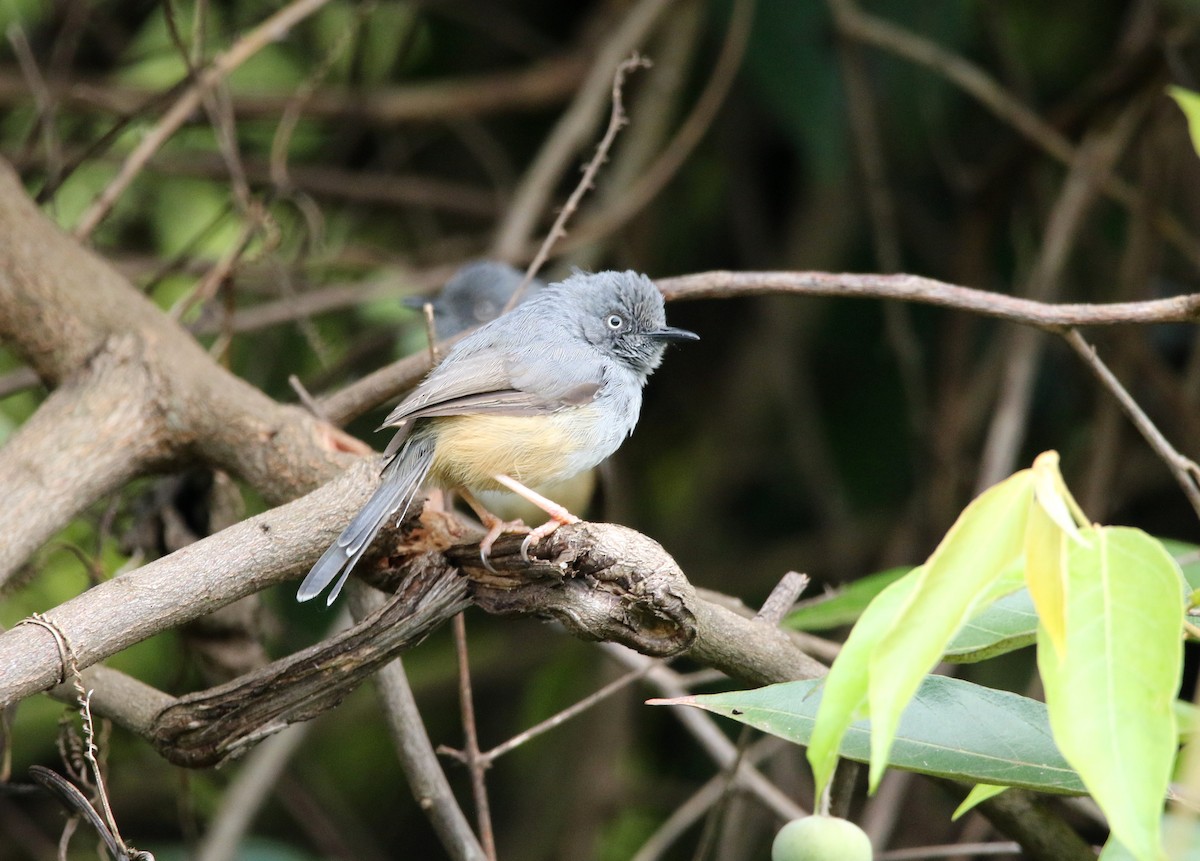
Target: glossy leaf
[1011, 623]
[844, 606]
[951, 728]
[1006, 624]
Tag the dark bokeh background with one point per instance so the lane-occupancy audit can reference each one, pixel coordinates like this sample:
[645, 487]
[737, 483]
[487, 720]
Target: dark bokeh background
[832, 436]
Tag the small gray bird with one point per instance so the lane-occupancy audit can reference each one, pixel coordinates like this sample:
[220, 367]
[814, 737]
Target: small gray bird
[475, 294]
[539, 394]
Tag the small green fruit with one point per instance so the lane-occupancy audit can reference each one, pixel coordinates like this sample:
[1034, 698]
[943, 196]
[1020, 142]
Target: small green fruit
[821, 838]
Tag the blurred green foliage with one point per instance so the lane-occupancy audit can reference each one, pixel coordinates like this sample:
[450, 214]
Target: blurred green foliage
[785, 440]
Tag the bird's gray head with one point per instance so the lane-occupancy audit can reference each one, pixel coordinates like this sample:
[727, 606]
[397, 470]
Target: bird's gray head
[622, 314]
[475, 294]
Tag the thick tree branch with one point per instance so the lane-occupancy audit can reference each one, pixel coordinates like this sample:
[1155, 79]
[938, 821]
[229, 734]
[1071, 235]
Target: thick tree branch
[63, 310]
[92, 435]
[273, 547]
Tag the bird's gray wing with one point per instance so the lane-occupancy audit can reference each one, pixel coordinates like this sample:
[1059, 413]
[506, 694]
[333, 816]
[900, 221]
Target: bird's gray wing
[524, 382]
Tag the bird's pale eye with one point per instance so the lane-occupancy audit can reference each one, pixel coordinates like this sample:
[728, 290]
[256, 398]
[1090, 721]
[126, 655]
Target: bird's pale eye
[615, 322]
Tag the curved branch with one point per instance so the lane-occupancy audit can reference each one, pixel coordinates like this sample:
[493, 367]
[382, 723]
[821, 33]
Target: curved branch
[914, 288]
[135, 391]
[273, 547]
[90, 436]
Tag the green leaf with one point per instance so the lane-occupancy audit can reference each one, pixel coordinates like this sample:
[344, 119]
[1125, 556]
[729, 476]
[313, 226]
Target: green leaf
[1045, 564]
[1189, 103]
[979, 794]
[985, 541]
[1181, 834]
[1004, 625]
[845, 688]
[1111, 689]
[845, 605]
[1010, 623]
[951, 728]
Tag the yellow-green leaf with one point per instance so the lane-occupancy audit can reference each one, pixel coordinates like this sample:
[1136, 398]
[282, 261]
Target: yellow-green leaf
[985, 541]
[1111, 686]
[1189, 103]
[981, 793]
[1045, 564]
[1052, 495]
[844, 691]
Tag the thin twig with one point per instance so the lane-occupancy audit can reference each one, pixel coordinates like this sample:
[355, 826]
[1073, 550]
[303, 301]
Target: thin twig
[566, 714]
[1185, 470]
[633, 199]
[300, 98]
[43, 100]
[306, 398]
[572, 130]
[476, 764]
[706, 732]
[1094, 160]
[969, 849]
[247, 793]
[778, 603]
[83, 698]
[690, 811]
[270, 30]
[617, 120]
[915, 288]
[782, 598]
[885, 230]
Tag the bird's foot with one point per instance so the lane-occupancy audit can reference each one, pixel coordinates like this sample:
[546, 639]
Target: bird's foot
[558, 517]
[495, 528]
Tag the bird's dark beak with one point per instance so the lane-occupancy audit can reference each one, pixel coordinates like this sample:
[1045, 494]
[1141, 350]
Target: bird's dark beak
[670, 333]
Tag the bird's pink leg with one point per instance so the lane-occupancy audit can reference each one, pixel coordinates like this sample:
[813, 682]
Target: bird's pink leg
[558, 515]
[495, 527]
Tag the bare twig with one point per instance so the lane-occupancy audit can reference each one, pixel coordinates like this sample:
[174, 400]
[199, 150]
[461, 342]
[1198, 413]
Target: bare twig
[476, 764]
[970, 850]
[706, 732]
[566, 714]
[914, 288]
[42, 98]
[247, 792]
[1184, 469]
[698, 804]
[782, 598]
[72, 676]
[616, 121]
[249, 44]
[630, 201]
[881, 207]
[572, 130]
[1094, 161]
[543, 82]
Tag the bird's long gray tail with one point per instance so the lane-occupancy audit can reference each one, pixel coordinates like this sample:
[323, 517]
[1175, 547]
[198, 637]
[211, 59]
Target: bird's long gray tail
[402, 478]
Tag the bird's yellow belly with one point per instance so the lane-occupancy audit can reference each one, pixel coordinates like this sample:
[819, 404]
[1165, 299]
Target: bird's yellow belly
[532, 449]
